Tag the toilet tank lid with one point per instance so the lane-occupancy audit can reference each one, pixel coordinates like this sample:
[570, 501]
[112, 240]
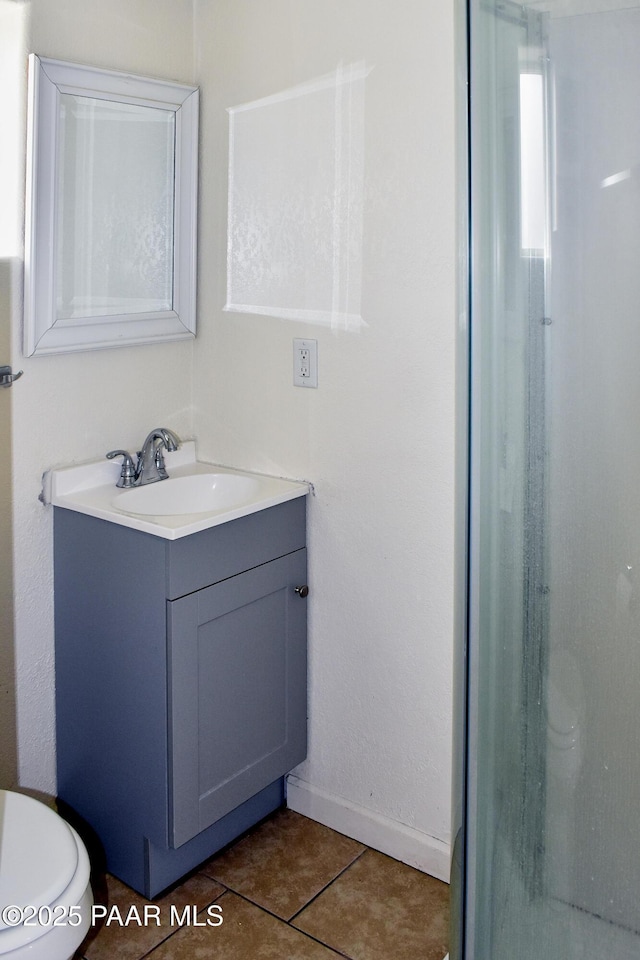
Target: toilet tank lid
[38, 852]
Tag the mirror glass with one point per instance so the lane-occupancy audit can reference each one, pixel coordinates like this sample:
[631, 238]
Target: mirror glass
[115, 229]
[111, 219]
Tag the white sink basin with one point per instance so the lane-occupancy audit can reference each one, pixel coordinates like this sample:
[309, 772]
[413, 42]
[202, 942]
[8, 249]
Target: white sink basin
[196, 496]
[198, 493]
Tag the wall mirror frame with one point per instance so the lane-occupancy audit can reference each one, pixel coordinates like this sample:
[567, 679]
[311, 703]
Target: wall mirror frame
[111, 209]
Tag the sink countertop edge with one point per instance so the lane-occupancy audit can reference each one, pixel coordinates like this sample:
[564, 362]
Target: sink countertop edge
[88, 488]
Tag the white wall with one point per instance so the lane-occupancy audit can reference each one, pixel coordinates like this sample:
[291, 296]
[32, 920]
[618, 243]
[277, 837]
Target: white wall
[11, 166]
[76, 407]
[376, 437]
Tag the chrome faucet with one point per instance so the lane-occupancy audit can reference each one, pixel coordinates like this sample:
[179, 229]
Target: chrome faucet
[151, 460]
[150, 466]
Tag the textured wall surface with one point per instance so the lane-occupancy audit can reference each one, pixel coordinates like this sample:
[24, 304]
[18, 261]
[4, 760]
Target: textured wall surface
[376, 437]
[12, 20]
[75, 407]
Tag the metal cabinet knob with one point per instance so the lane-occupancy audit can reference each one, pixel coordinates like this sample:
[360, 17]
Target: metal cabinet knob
[303, 591]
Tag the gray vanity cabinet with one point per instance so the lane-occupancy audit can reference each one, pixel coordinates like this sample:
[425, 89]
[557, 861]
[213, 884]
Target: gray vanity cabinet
[237, 664]
[180, 683]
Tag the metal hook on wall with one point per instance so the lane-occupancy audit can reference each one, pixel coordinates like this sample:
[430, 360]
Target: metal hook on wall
[7, 377]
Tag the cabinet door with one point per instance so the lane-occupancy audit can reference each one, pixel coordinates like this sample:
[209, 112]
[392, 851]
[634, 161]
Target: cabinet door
[237, 691]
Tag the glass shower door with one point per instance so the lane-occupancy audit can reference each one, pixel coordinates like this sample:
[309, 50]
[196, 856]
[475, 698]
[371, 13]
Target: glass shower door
[553, 777]
[509, 603]
[593, 748]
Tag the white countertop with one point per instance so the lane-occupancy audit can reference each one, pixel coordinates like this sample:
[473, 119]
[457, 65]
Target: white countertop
[90, 488]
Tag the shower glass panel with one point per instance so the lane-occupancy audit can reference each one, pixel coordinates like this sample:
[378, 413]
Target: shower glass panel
[552, 850]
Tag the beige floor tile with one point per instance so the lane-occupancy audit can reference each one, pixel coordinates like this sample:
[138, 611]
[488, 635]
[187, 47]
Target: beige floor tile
[119, 942]
[380, 908]
[246, 933]
[284, 863]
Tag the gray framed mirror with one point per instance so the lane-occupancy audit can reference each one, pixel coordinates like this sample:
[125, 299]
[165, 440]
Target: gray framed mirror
[112, 177]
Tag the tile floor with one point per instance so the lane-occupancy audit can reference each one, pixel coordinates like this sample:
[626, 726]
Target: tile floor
[291, 889]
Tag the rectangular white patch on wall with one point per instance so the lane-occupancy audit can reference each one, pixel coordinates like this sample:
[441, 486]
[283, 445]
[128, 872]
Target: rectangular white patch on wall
[296, 167]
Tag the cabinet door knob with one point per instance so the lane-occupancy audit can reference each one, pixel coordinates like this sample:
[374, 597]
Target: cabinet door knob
[302, 591]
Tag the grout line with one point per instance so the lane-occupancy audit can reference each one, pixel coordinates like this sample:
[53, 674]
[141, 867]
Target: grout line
[288, 923]
[160, 943]
[255, 903]
[334, 951]
[260, 906]
[326, 887]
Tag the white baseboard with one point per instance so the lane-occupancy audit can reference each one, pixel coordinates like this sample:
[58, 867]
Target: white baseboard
[403, 843]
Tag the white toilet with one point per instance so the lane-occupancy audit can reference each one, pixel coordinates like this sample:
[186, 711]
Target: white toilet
[44, 878]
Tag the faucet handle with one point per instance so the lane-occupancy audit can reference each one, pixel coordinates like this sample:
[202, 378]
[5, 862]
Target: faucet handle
[128, 472]
[160, 467]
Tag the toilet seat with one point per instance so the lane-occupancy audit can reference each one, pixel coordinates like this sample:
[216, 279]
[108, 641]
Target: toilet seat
[38, 853]
[43, 863]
